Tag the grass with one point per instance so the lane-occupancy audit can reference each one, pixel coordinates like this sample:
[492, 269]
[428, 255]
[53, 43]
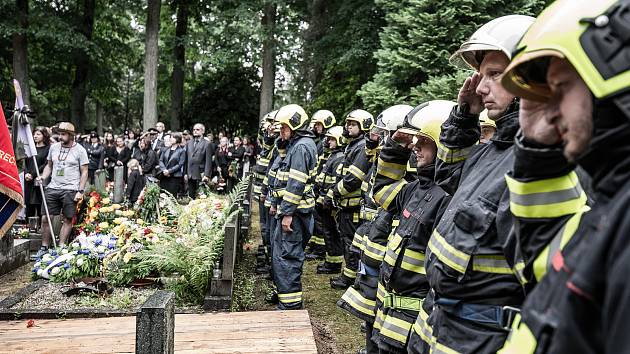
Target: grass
[335, 330]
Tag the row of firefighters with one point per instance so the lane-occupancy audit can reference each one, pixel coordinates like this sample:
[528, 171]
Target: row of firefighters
[462, 230]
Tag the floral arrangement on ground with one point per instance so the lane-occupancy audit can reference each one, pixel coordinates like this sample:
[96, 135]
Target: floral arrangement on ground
[177, 248]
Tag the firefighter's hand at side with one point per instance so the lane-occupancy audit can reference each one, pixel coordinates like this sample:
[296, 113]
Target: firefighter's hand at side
[286, 223]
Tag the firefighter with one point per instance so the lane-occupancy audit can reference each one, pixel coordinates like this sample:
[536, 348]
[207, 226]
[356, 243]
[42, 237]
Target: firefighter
[267, 139]
[418, 205]
[347, 192]
[572, 72]
[328, 176]
[322, 120]
[371, 236]
[293, 205]
[474, 286]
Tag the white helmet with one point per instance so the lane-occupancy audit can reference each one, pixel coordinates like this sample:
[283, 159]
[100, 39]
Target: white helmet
[501, 34]
[393, 117]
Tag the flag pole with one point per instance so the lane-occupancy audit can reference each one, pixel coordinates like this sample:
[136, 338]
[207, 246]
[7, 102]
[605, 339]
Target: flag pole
[23, 120]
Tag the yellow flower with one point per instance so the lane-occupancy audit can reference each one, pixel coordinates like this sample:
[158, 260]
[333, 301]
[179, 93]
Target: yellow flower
[139, 221]
[119, 221]
[128, 213]
[127, 257]
[105, 201]
[92, 203]
[105, 209]
[94, 214]
[163, 219]
[116, 206]
[103, 225]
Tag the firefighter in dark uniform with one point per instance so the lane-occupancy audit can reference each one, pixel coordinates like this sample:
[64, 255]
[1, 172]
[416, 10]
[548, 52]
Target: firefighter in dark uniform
[266, 138]
[328, 177]
[474, 286]
[370, 237]
[347, 192]
[572, 73]
[418, 205]
[293, 205]
[322, 120]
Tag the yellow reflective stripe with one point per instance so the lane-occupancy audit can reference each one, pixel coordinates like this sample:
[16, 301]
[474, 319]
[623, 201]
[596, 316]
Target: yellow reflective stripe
[290, 297]
[387, 194]
[379, 319]
[350, 202]
[449, 155]
[341, 189]
[439, 348]
[381, 293]
[357, 241]
[548, 198]
[339, 170]
[266, 180]
[257, 189]
[282, 152]
[518, 271]
[317, 240]
[543, 262]
[399, 302]
[392, 245]
[273, 173]
[349, 273]
[365, 186]
[521, 339]
[413, 261]
[306, 203]
[491, 264]
[298, 175]
[390, 170]
[422, 328]
[330, 179]
[358, 302]
[330, 194]
[447, 254]
[356, 172]
[291, 197]
[395, 222]
[282, 176]
[333, 259]
[374, 250]
[396, 328]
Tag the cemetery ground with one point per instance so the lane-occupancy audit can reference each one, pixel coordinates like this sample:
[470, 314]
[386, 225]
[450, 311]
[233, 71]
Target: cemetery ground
[335, 330]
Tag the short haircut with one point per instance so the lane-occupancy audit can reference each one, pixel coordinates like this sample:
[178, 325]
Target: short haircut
[177, 137]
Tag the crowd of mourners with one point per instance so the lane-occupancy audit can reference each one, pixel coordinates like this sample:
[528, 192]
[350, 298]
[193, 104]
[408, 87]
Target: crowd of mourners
[494, 223]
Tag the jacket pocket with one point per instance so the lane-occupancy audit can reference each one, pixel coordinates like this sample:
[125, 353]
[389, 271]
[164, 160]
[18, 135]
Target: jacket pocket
[475, 218]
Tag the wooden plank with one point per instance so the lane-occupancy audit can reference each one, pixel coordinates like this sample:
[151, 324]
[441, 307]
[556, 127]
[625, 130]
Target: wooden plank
[240, 332]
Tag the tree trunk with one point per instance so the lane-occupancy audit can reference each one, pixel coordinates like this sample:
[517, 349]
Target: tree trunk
[149, 114]
[179, 65]
[20, 51]
[99, 118]
[268, 60]
[82, 63]
[312, 67]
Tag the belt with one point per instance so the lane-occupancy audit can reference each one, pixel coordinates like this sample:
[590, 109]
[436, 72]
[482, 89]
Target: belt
[402, 302]
[500, 316]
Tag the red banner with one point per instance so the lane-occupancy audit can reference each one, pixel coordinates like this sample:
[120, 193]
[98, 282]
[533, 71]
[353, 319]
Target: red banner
[11, 199]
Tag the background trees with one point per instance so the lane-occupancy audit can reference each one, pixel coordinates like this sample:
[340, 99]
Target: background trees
[225, 63]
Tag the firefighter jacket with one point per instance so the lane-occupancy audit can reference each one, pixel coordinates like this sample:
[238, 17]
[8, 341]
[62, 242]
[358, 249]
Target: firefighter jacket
[466, 264]
[262, 163]
[293, 185]
[354, 171]
[466, 259]
[581, 304]
[327, 178]
[278, 153]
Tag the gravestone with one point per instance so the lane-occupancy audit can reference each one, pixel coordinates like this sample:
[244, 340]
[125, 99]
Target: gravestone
[99, 180]
[155, 324]
[119, 184]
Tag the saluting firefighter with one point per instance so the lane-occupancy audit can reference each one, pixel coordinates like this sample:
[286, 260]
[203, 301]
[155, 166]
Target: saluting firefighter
[322, 120]
[371, 237]
[293, 205]
[336, 143]
[266, 139]
[347, 192]
[475, 288]
[572, 72]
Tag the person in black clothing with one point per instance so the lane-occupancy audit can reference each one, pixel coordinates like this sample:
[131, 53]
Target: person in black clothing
[33, 197]
[147, 158]
[172, 162]
[117, 155]
[222, 161]
[96, 155]
[199, 156]
[236, 154]
[135, 181]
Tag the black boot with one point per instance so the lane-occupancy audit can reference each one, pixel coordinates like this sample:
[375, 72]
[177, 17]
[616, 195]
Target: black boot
[272, 298]
[340, 283]
[328, 268]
